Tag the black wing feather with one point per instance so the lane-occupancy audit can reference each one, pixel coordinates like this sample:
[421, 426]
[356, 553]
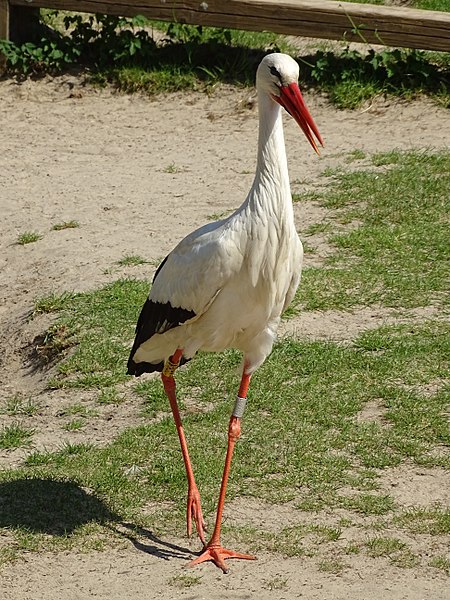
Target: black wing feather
[155, 317]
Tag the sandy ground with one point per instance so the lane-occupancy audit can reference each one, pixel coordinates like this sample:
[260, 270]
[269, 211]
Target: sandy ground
[138, 174]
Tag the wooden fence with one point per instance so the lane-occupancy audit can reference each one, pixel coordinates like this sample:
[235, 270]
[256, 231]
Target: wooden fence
[388, 25]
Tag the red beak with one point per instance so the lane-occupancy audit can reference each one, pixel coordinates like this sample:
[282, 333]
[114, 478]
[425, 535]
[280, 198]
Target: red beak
[291, 99]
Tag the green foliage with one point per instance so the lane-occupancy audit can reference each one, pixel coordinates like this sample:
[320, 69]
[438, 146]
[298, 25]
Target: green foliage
[197, 34]
[351, 77]
[105, 39]
[96, 39]
[49, 55]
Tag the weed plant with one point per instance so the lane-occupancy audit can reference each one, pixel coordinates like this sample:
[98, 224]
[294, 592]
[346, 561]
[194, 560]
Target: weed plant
[28, 237]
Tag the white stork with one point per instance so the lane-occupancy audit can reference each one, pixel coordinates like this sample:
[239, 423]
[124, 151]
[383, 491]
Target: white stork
[226, 284]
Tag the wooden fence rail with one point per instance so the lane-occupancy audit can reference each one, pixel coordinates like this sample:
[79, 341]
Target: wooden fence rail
[388, 25]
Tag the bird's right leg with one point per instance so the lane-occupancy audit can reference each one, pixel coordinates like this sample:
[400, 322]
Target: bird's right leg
[194, 509]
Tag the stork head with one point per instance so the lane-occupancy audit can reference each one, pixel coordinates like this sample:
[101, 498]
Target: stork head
[277, 76]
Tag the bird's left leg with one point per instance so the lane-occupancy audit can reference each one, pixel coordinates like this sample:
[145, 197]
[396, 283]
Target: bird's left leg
[194, 509]
[214, 551]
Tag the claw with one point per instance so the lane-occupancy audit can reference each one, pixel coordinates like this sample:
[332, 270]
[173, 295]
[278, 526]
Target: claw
[194, 511]
[217, 555]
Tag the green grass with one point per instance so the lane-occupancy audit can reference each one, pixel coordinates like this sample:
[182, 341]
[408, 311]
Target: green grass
[424, 4]
[79, 410]
[442, 563]
[331, 565]
[397, 256]
[28, 237]
[14, 436]
[18, 405]
[65, 225]
[276, 583]
[165, 79]
[369, 504]
[110, 396]
[185, 580]
[432, 5]
[74, 425]
[131, 260]
[432, 521]
[384, 546]
[304, 435]
[99, 324]
[397, 551]
[172, 169]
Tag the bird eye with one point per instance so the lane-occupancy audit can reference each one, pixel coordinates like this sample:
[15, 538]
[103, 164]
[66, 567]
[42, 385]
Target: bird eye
[275, 72]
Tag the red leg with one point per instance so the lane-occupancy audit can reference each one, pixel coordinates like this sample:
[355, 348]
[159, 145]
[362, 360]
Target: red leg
[194, 509]
[214, 551]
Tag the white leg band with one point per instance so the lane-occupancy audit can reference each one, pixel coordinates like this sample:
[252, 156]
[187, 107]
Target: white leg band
[239, 407]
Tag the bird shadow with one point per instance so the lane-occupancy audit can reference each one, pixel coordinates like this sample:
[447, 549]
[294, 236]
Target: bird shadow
[59, 507]
[146, 541]
[51, 506]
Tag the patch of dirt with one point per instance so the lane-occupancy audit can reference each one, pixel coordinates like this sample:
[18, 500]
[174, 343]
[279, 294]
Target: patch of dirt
[346, 326]
[411, 485]
[139, 174]
[157, 574]
[373, 411]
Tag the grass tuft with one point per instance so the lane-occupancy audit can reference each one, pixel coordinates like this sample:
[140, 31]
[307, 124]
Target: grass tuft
[15, 436]
[28, 237]
[65, 225]
[18, 405]
[185, 580]
[131, 260]
[440, 562]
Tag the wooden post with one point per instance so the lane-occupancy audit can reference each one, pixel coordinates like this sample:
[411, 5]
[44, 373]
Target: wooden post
[352, 22]
[4, 31]
[4, 19]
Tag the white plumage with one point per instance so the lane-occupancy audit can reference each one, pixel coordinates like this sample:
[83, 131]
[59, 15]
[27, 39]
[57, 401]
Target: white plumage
[239, 274]
[226, 284]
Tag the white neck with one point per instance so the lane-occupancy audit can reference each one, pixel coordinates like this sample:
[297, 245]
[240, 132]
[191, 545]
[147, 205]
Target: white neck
[272, 160]
[272, 178]
[268, 211]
